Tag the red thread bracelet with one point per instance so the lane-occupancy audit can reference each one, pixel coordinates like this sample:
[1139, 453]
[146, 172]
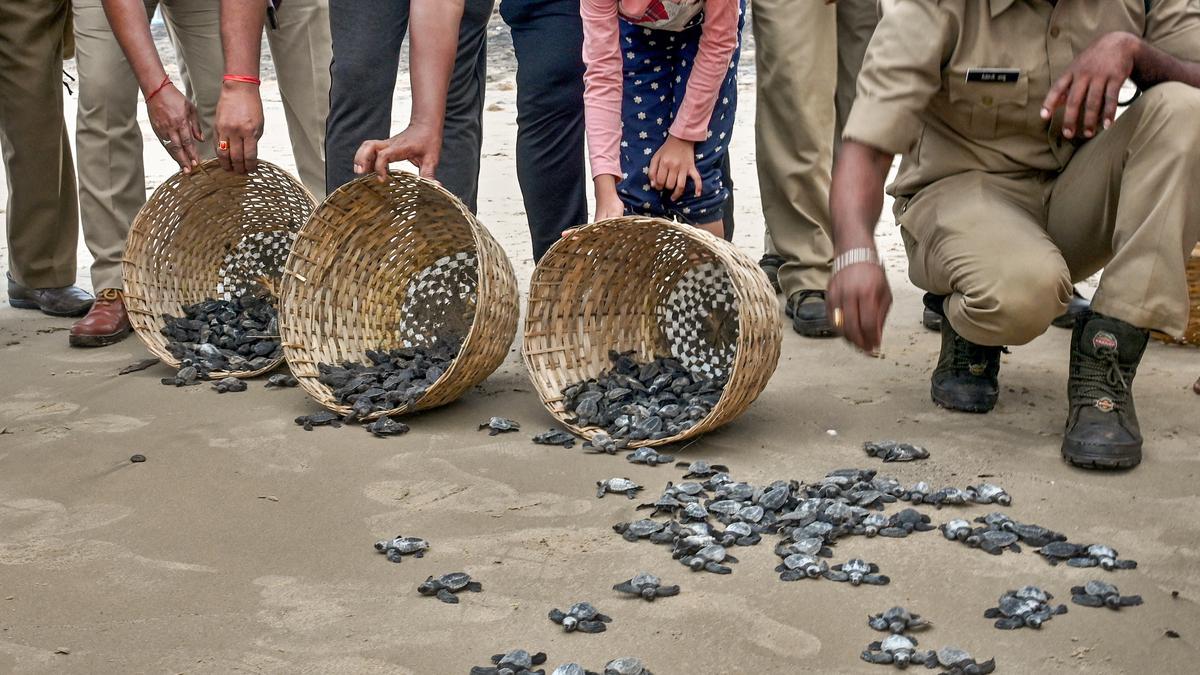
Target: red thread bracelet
[165, 82]
[248, 79]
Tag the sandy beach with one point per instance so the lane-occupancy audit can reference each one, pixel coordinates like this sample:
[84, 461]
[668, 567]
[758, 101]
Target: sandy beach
[244, 544]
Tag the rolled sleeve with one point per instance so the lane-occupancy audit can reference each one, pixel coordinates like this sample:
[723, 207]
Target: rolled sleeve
[901, 74]
[1174, 27]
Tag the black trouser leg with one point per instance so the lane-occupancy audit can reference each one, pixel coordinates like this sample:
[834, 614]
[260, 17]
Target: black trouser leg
[727, 172]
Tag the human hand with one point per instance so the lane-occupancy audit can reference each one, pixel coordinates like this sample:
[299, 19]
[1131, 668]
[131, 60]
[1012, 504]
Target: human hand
[1090, 88]
[608, 202]
[176, 124]
[861, 296]
[420, 144]
[672, 165]
[238, 126]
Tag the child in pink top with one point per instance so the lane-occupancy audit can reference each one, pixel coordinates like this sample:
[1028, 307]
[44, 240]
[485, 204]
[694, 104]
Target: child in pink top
[660, 94]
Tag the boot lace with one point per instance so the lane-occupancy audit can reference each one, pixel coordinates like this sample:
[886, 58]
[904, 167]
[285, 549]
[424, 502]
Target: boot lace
[109, 295]
[1100, 378]
[969, 357]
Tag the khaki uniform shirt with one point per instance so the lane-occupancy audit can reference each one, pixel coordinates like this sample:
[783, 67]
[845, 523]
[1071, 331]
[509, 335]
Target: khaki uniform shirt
[958, 85]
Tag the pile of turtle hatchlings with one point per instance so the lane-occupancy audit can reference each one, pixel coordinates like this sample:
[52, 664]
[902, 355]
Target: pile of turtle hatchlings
[238, 335]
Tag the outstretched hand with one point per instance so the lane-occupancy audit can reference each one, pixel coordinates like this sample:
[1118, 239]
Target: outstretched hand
[238, 126]
[861, 296]
[673, 165]
[1089, 90]
[175, 121]
[419, 144]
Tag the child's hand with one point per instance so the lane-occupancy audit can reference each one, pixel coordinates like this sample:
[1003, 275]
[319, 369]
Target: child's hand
[608, 202]
[672, 165]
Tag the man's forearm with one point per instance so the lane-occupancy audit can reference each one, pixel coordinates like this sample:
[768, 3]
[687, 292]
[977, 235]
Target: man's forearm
[131, 26]
[433, 27]
[241, 35]
[856, 197]
[1152, 66]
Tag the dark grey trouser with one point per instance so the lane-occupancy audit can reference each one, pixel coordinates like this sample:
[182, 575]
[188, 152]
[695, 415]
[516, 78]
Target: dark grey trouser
[367, 38]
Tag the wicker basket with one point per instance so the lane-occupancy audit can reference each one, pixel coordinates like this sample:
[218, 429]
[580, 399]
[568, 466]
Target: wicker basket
[385, 265]
[1191, 335]
[646, 284]
[209, 234]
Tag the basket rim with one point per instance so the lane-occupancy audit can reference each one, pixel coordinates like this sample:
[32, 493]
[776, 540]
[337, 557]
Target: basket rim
[478, 232]
[717, 247]
[169, 184]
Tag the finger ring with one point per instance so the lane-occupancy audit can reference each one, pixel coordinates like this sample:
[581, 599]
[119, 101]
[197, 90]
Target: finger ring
[223, 146]
[165, 141]
[837, 317]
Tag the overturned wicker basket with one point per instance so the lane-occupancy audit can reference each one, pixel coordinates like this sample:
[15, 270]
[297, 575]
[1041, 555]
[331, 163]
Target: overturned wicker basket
[209, 234]
[646, 284]
[396, 264]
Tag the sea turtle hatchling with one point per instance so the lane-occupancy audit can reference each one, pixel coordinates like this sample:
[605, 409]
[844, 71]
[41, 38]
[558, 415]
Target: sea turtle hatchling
[582, 617]
[445, 586]
[230, 384]
[799, 566]
[857, 571]
[515, 662]
[701, 469]
[1101, 594]
[572, 669]
[500, 425]
[646, 586]
[626, 665]
[386, 426]
[617, 486]
[319, 419]
[649, 456]
[994, 542]
[1026, 607]
[639, 529]
[709, 558]
[400, 546]
[602, 443]
[281, 381]
[958, 662]
[987, 493]
[1079, 555]
[899, 651]
[905, 522]
[897, 620]
[891, 451]
[555, 436]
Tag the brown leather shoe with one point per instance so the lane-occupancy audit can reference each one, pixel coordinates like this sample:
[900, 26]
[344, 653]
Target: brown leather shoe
[107, 323]
[65, 301]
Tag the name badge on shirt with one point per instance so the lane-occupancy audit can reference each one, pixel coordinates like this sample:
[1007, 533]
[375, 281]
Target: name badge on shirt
[994, 75]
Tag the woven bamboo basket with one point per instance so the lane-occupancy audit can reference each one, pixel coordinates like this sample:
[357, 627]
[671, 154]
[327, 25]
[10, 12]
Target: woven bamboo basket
[647, 285]
[209, 234]
[402, 263]
[1191, 335]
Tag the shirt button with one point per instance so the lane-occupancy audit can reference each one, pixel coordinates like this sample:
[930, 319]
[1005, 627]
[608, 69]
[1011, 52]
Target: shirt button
[1054, 31]
[987, 100]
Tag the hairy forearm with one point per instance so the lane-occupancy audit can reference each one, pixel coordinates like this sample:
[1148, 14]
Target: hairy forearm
[241, 35]
[856, 197]
[433, 27]
[1152, 66]
[131, 26]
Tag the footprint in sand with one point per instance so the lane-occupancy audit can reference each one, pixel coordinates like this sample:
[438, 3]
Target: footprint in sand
[271, 450]
[30, 406]
[443, 487]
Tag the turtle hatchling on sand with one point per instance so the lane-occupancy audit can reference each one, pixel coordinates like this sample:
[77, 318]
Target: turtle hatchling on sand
[555, 437]
[516, 662]
[572, 669]
[400, 546]
[649, 456]
[1029, 606]
[897, 620]
[386, 426]
[445, 586]
[958, 662]
[626, 665]
[1078, 555]
[905, 522]
[1100, 594]
[899, 651]
[230, 384]
[617, 486]
[319, 419]
[281, 381]
[891, 451]
[857, 571]
[647, 586]
[799, 566]
[993, 541]
[986, 493]
[582, 617]
[639, 529]
[702, 469]
[500, 425]
[709, 558]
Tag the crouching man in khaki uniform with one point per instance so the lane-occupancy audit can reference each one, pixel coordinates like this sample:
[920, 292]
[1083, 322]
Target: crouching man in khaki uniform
[1017, 180]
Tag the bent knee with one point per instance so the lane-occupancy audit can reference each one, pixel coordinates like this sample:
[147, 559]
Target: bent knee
[1018, 304]
[1175, 104]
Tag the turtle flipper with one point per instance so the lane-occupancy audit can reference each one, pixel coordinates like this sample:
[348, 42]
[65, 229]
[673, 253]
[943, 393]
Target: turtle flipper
[985, 668]
[625, 587]
[591, 627]
[1088, 600]
[717, 568]
[792, 575]
[836, 575]
[474, 587]
[668, 591]
[1009, 623]
[447, 597]
[877, 579]
[729, 558]
[1082, 562]
[877, 657]
[1130, 600]
[557, 616]
[538, 658]
[894, 532]
[1126, 564]
[991, 613]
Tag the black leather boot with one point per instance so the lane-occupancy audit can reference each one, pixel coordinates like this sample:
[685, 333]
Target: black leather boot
[1102, 426]
[967, 376]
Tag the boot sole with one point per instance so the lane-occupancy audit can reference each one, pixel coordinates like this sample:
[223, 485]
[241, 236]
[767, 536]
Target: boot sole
[948, 402]
[813, 329]
[98, 340]
[29, 304]
[1081, 455]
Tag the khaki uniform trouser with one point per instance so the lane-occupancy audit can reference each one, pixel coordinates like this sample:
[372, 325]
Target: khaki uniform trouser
[108, 139]
[42, 217]
[803, 100]
[1007, 249]
[301, 50]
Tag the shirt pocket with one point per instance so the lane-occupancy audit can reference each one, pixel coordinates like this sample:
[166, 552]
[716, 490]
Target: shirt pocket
[991, 109]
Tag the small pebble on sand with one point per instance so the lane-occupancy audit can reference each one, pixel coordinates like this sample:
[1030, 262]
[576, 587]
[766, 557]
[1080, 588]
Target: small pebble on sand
[137, 459]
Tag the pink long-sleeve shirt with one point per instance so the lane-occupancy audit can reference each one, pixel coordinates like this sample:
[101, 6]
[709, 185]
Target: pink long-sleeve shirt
[602, 80]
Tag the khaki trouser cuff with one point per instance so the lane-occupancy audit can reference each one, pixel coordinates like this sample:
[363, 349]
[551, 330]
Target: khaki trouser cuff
[1171, 323]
